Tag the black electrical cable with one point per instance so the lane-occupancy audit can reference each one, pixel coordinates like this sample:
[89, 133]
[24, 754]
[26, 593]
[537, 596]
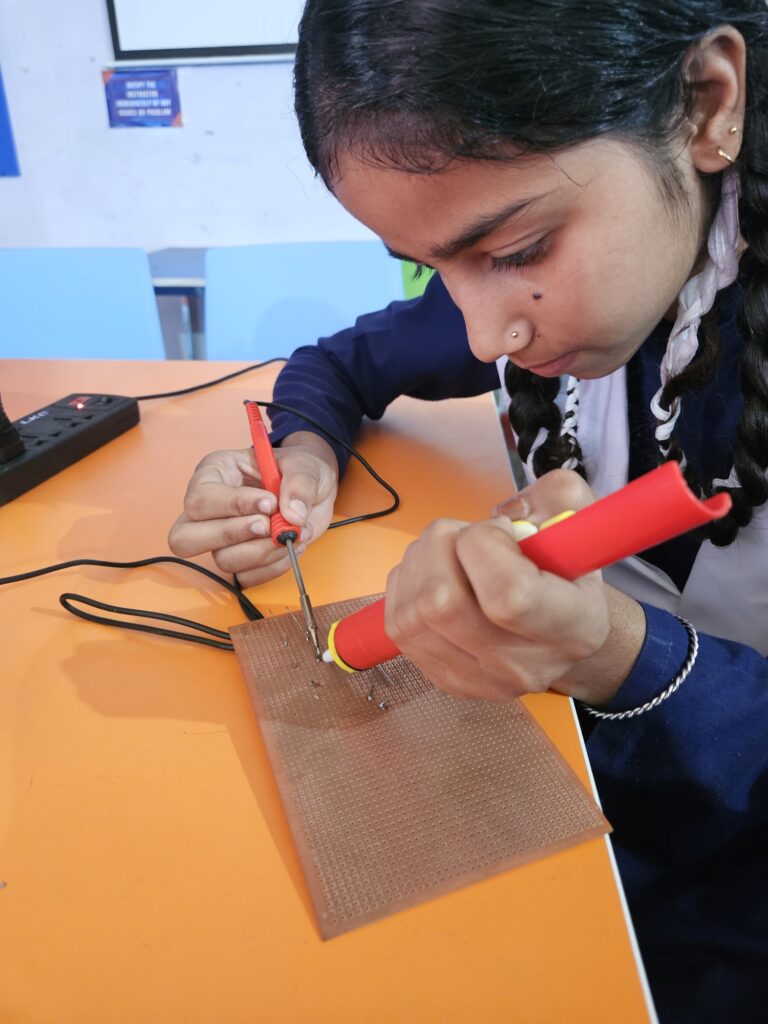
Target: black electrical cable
[250, 609]
[301, 415]
[352, 451]
[222, 642]
[210, 383]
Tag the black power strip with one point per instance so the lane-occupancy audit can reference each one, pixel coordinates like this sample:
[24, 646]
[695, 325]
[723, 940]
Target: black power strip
[59, 434]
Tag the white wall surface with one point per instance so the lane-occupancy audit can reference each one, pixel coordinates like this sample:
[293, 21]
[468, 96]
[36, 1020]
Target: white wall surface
[235, 173]
[177, 24]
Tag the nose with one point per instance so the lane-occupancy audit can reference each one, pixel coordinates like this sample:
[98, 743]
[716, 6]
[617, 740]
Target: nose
[495, 327]
[491, 342]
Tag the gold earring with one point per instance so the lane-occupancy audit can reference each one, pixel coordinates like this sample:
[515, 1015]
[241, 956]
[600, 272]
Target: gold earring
[725, 156]
[515, 334]
[734, 130]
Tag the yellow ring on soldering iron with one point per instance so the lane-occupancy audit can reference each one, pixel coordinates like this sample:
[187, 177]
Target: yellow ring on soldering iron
[557, 519]
[334, 653]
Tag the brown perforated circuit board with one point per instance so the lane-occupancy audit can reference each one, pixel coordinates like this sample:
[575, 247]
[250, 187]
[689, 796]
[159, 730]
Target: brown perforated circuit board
[394, 791]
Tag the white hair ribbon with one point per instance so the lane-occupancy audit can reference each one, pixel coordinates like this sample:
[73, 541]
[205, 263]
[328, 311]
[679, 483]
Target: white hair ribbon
[697, 298]
[571, 419]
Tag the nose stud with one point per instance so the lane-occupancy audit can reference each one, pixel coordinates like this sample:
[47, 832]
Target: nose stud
[515, 334]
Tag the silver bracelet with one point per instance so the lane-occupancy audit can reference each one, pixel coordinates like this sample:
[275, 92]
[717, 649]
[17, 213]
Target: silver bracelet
[677, 682]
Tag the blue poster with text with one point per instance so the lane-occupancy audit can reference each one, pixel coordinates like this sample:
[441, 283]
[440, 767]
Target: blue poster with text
[143, 98]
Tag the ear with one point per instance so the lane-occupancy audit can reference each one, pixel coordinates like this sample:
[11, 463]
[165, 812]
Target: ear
[716, 73]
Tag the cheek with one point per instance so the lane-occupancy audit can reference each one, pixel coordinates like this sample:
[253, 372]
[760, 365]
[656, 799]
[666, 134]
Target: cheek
[575, 294]
[600, 293]
[649, 260]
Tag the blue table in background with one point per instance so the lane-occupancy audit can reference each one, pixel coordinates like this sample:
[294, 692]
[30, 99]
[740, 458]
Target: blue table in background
[178, 277]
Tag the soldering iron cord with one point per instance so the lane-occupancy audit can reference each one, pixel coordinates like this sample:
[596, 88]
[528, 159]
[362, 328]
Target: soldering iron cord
[213, 637]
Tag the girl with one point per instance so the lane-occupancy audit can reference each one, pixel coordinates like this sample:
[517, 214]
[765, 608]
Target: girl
[576, 174]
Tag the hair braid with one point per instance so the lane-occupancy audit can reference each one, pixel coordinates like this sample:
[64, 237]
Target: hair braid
[533, 408]
[748, 483]
[750, 455]
[693, 376]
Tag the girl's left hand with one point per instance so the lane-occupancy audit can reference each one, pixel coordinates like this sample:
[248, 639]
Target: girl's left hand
[482, 621]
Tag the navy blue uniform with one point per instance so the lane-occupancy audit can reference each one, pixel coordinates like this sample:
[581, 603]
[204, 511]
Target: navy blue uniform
[685, 786]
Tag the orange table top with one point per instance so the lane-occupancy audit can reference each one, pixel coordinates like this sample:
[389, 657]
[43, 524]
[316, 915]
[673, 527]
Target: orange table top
[149, 872]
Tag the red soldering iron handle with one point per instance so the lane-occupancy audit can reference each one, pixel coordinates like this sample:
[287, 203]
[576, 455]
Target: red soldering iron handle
[652, 509]
[358, 641]
[279, 527]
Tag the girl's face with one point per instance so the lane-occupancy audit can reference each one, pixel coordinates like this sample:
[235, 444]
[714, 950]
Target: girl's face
[562, 262]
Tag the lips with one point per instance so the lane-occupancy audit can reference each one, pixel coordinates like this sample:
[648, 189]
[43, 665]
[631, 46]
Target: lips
[552, 368]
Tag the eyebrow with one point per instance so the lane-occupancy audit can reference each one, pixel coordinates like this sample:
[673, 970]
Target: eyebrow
[476, 231]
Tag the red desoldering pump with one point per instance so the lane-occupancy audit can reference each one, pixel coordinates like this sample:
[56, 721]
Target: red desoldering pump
[652, 509]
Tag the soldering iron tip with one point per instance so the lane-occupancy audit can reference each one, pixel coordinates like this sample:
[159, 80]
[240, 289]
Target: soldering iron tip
[315, 644]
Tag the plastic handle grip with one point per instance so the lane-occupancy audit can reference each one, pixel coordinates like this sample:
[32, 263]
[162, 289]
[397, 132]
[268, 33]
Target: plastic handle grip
[271, 477]
[359, 639]
[280, 530]
[652, 509]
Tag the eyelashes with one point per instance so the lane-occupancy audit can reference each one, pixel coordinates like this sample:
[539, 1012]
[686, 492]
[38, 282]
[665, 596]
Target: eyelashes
[514, 261]
[525, 258]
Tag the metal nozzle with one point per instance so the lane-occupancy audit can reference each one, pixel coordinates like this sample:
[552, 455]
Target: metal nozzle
[306, 605]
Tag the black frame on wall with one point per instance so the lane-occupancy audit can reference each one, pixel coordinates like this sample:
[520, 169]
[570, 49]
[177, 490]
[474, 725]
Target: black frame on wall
[253, 50]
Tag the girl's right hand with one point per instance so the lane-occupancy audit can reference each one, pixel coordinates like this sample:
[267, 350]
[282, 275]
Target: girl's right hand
[227, 512]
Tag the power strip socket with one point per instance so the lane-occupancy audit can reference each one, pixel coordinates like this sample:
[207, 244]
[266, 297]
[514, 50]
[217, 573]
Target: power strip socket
[62, 433]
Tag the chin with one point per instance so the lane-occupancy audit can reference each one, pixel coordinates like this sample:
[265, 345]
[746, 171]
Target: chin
[594, 366]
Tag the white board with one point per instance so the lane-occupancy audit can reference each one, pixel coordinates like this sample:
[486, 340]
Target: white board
[144, 29]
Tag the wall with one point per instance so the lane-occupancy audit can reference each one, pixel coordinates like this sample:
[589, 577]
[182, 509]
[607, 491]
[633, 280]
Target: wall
[234, 174]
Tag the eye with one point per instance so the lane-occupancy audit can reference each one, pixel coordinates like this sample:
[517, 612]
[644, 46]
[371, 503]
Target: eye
[533, 254]
[418, 270]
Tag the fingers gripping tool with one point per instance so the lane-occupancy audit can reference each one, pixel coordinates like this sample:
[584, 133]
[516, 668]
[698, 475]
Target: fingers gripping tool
[648, 511]
[283, 533]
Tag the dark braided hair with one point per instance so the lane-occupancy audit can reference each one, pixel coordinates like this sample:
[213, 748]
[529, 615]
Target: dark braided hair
[415, 84]
[533, 407]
